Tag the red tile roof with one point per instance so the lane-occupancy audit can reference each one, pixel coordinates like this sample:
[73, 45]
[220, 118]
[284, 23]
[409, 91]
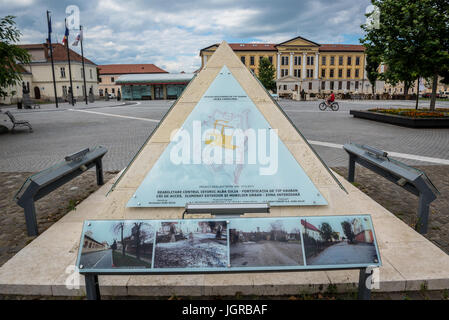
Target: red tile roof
[59, 52]
[253, 46]
[129, 69]
[342, 47]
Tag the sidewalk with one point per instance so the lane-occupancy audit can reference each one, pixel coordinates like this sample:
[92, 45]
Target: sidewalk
[65, 106]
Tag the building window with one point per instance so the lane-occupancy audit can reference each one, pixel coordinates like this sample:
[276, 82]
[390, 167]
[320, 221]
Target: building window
[340, 73]
[297, 60]
[332, 61]
[323, 85]
[113, 90]
[100, 80]
[357, 61]
[82, 73]
[90, 73]
[251, 60]
[356, 85]
[323, 73]
[340, 85]
[309, 73]
[348, 85]
[331, 73]
[260, 59]
[252, 70]
[340, 60]
[297, 73]
[323, 60]
[332, 85]
[270, 59]
[112, 79]
[349, 60]
[310, 85]
[64, 90]
[310, 61]
[284, 72]
[243, 60]
[284, 61]
[348, 73]
[285, 87]
[356, 73]
[62, 72]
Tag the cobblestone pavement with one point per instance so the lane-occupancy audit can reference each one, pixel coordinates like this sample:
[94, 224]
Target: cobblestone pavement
[51, 208]
[123, 130]
[404, 204]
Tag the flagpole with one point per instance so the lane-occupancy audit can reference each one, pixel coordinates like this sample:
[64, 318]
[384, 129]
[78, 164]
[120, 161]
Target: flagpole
[70, 68]
[51, 56]
[82, 58]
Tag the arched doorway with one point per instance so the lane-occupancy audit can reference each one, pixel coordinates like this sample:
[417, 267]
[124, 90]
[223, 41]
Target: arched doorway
[37, 93]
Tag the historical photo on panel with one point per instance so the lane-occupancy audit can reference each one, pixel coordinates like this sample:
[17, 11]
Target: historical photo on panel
[265, 242]
[118, 244]
[338, 240]
[191, 244]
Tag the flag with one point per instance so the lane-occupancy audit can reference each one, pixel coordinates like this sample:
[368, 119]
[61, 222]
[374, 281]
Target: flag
[66, 36]
[79, 38]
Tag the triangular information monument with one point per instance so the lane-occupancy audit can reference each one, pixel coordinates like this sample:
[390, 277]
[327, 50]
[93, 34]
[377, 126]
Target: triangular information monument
[226, 152]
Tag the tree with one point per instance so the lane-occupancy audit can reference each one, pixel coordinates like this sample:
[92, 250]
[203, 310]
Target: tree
[266, 74]
[118, 228]
[413, 39]
[10, 55]
[372, 65]
[326, 231]
[347, 229]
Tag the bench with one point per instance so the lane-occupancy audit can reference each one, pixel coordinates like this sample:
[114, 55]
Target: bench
[44, 182]
[18, 123]
[144, 247]
[411, 179]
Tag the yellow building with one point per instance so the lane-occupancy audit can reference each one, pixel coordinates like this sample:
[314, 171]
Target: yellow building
[306, 65]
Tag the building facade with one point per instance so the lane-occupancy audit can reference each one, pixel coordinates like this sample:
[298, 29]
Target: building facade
[167, 86]
[38, 77]
[109, 74]
[306, 65]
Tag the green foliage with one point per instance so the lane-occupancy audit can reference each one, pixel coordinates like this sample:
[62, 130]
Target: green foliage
[347, 229]
[10, 55]
[326, 231]
[266, 74]
[412, 39]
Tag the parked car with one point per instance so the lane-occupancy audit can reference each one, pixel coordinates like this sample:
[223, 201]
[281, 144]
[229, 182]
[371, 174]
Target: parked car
[429, 95]
[444, 95]
[111, 95]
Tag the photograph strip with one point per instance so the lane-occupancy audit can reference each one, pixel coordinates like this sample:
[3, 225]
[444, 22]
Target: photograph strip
[218, 245]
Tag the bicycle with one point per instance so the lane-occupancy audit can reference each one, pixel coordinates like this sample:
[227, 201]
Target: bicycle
[333, 106]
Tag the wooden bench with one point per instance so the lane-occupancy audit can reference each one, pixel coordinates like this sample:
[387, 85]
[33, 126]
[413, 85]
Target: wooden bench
[18, 123]
[144, 247]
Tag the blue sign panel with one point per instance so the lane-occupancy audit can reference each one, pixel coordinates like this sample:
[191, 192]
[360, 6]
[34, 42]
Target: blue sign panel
[226, 152]
[219, 245]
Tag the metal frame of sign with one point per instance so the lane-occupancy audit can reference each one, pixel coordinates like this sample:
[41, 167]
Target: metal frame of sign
[229, 267]
[365, 269]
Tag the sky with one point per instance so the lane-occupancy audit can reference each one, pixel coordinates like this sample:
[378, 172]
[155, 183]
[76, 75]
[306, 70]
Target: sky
[170, 33]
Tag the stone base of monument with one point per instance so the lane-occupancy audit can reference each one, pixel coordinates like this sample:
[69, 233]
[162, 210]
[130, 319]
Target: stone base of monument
[45, 266]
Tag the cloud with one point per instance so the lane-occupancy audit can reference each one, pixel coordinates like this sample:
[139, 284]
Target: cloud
[170, 33]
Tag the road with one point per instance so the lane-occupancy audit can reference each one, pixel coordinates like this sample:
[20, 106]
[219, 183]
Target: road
[344, 253]
[122, 129]
[266, 253]
[98, 259]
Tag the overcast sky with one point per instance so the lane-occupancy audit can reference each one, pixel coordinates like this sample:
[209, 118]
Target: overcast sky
[170, 33]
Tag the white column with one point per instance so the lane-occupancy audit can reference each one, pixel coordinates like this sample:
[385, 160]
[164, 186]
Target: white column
[278, 70]
[304, 57]
[317, 56]
[290, 72]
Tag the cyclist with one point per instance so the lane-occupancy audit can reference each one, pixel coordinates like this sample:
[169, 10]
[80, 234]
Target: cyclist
[330, 98]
